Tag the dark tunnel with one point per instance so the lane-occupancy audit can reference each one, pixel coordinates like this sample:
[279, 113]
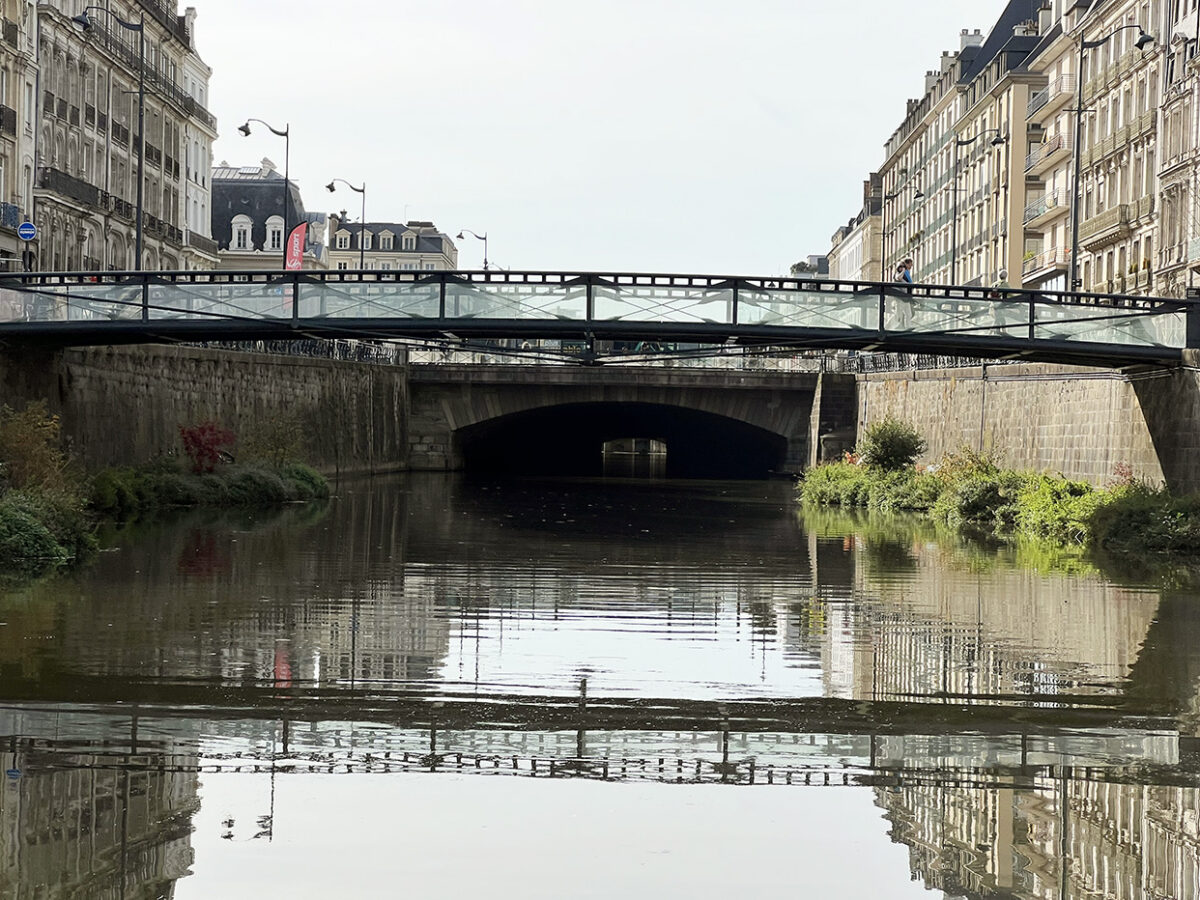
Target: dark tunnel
[569, 440]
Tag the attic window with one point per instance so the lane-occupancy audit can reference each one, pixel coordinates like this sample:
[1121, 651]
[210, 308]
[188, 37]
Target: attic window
[385, 242]
[410, 242]
[343, 241]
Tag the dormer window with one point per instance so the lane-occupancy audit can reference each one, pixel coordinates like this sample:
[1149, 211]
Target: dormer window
[385, 242]
[275, 233]
[410, 242]
[343, 240]
[365, 237]
[241, 232]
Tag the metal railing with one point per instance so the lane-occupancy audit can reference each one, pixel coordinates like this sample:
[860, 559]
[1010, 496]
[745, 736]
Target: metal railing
[587, 308]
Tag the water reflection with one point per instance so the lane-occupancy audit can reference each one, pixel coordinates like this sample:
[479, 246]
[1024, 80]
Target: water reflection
[1002, 718]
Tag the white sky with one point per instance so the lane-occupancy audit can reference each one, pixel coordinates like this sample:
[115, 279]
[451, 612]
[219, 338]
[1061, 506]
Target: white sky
[631, 135]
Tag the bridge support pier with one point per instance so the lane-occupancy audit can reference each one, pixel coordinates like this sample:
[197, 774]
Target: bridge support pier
[833, 419]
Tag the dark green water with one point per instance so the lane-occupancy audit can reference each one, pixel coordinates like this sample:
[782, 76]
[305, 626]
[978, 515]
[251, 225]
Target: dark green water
[438, 687]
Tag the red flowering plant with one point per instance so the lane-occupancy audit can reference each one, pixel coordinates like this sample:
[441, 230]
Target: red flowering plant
[202, 443]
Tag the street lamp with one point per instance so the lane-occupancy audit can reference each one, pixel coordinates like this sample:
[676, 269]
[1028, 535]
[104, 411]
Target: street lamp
[287, 188]
[331, 187]
[1143, 40]
[995, 142]
[918, 194]
[85, 22]
[482, 237]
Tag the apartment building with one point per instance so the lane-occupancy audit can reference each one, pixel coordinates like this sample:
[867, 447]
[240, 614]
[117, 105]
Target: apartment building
[250, 206]
[389, 245]
[18, 81]
[855, 253]
[83, 174]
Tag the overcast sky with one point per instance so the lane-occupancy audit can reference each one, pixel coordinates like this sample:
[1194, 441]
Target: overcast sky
[614, 135]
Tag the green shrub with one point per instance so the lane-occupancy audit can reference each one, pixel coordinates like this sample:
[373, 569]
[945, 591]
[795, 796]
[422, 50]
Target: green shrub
[114, 492]
[30, 454]
[891, 445]
[1054, 507]
[310, 484]
[26, 545]
[276, 440]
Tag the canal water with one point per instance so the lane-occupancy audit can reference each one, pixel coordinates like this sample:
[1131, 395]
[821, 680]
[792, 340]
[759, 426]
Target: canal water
[437, 687]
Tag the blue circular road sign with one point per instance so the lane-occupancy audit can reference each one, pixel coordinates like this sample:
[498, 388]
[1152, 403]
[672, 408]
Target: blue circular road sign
[27, 231]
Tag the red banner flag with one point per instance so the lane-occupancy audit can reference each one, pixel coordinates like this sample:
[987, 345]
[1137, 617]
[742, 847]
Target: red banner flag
[295, 247]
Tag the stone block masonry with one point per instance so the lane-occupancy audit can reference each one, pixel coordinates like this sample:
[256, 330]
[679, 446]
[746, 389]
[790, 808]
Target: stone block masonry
[123, 405]
[1079, 422]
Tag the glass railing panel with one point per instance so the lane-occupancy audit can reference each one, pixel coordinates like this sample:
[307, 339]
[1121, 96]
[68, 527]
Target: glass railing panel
[221, 300]
[370, 300]
[809, 309]
[1136, 326]
[516, 300]
[662, 303]
[70, 302]
[966, 316]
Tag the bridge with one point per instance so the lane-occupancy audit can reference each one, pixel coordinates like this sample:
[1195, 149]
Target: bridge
[577, 313]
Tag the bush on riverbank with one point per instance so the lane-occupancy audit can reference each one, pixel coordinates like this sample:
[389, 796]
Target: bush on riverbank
[43, 518]
[968, 490]
[126, 491]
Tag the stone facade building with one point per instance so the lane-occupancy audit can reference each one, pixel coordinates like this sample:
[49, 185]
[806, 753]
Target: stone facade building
[856, 245]
[18, 127]
[389, 245]
[83, 176]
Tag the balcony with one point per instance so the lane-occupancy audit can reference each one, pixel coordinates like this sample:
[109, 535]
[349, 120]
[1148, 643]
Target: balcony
[8, 121]
[1045, 103]
[1046, 208]
[1105, 228]
[202, 243]
[1050, 152]
[1045, 263]
[1145, 207]
[69, 186]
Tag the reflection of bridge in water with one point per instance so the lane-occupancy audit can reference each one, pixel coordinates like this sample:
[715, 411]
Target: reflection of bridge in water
[106, 308]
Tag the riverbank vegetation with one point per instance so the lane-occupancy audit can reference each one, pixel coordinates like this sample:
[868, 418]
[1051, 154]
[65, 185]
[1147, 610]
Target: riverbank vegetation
[967, 490]
[49, 508]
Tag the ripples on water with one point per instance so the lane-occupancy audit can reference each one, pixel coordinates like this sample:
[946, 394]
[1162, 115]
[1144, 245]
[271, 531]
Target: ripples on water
[173, 713]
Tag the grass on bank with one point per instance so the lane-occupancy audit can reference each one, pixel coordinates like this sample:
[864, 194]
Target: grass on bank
[49, 509]
[969, 491]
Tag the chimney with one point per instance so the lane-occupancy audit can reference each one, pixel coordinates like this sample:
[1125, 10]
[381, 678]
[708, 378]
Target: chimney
[931, 79]
[948, 59]
[1026, 29]
[189, 22]
[971, 38]
[267, 165]
[1045, 19]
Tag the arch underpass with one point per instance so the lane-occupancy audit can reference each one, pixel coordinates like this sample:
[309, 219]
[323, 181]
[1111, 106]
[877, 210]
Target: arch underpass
[568, 439]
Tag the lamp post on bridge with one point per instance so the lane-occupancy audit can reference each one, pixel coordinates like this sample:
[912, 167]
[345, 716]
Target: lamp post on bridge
[287, 187]
[362, 232]
[85, 22]
[482, 237]
[1143, 40]
[963, 142]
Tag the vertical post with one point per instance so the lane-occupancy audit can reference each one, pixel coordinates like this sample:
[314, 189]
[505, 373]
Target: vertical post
[442, 298]
[361, 246]
[733, 315]
[590, 312]
[1073, 282]
[287, 190]
[954, 220]
[295, 299]
[141, 160]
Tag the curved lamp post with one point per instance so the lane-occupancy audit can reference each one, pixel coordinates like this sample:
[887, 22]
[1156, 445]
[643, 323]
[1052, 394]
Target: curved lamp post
[918, 194]
[1143, 40]
[85, 22]
[995, 142]
[287, 188]
[482, 237]
[332, 187]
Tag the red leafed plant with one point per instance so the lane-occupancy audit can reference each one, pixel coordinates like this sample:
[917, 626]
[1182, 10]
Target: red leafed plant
[202, 443]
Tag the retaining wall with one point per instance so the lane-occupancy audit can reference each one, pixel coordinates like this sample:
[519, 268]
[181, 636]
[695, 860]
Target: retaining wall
[1076, 421]
[122, 405]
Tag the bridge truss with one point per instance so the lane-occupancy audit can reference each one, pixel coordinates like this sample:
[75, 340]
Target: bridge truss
[595, 317]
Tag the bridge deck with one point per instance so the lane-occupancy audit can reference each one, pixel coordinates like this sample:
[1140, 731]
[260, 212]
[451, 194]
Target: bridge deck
[107, 308]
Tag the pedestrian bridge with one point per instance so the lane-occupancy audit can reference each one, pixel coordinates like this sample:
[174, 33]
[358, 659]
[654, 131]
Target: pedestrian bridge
[577, 310]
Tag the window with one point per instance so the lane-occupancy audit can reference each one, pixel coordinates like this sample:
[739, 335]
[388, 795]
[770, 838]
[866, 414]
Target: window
[385, 267]
[430, 266]
[386, 242]
[410, 242]
[275, 233]
[241, 232]
[364, 238]
[343, 241]
[343, 265]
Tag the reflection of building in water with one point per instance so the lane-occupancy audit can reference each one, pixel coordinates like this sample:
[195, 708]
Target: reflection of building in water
[79, 824]
[906, 622]
[1129, 841]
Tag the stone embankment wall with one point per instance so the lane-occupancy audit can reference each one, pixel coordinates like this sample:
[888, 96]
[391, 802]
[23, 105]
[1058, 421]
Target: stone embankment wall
[1079, 422]
[123, 405]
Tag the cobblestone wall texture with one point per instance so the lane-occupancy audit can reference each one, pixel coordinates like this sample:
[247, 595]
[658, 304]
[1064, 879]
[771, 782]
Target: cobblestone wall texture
[122, 405]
